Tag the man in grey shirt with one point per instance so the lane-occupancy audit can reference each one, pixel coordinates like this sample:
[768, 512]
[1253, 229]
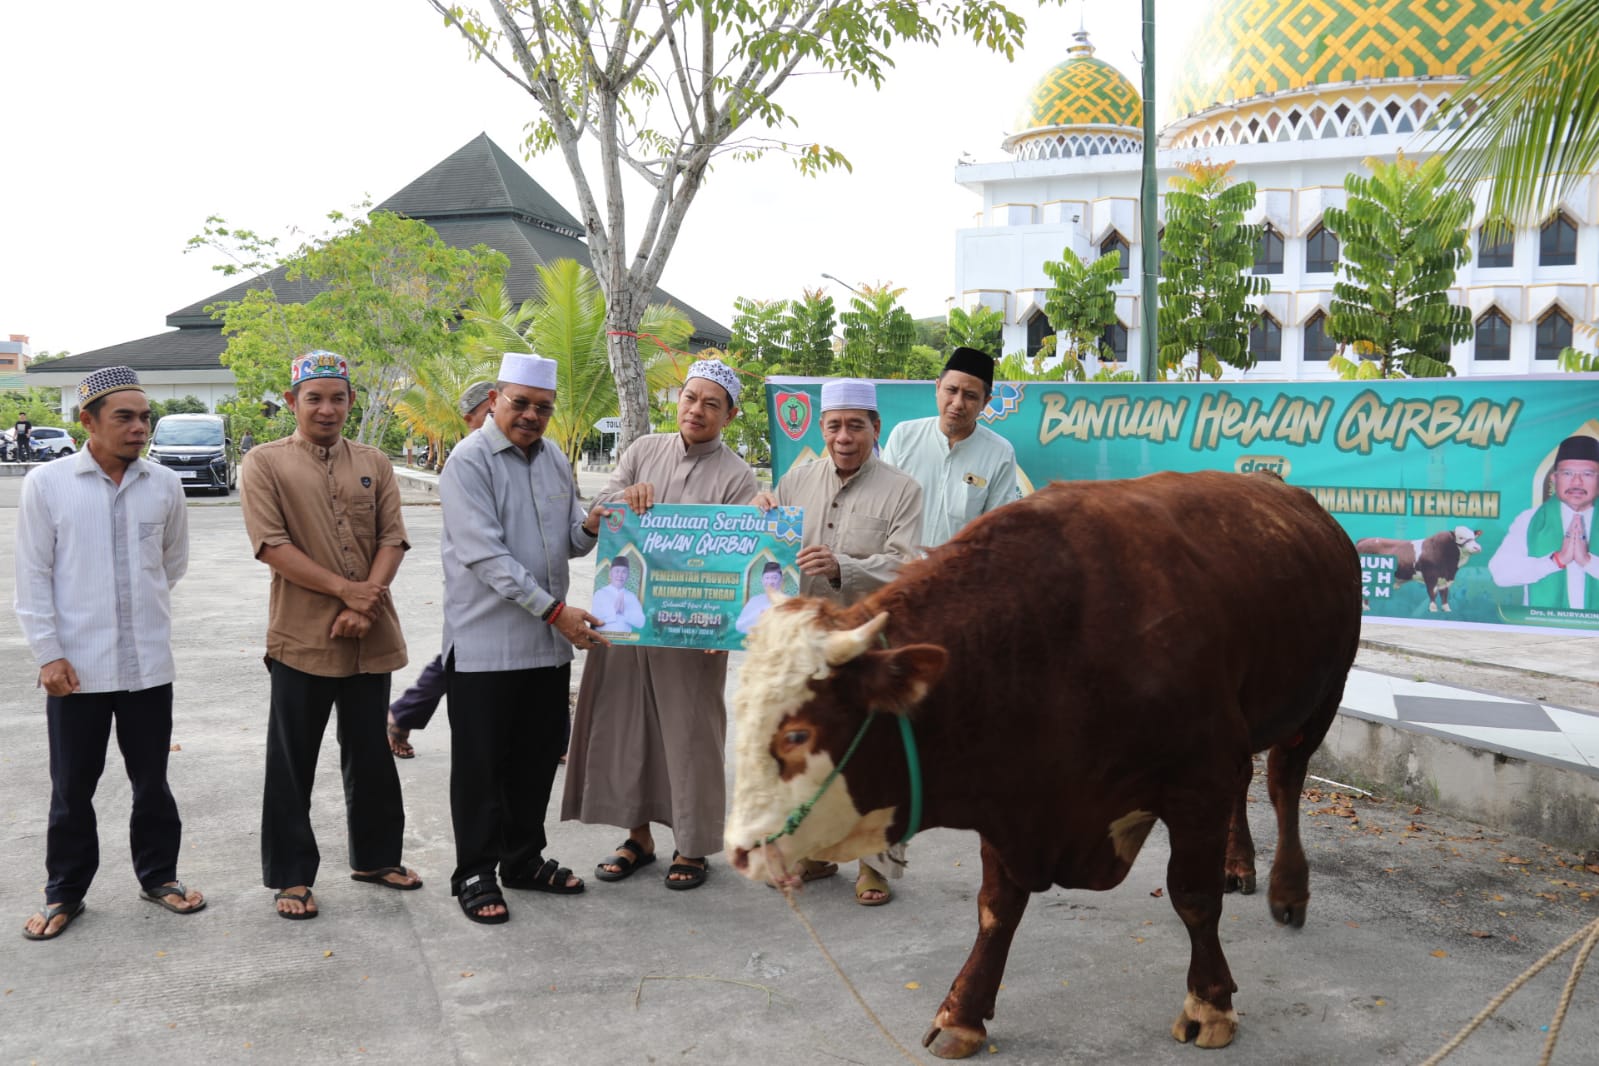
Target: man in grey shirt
[511, 523]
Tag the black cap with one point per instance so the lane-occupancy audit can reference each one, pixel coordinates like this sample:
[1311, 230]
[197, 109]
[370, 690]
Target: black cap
[973, 362]
[771, 567]
[621, 561]
[1578, 448]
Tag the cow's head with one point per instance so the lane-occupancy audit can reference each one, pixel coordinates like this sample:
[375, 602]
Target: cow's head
[803, 693]
[1466, 539]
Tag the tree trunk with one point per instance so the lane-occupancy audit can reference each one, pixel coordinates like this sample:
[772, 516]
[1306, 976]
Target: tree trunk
[624, 310]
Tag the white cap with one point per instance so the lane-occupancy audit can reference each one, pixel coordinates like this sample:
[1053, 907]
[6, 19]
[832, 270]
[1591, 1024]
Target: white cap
[848, 394]
[717, 371]
[533, 371]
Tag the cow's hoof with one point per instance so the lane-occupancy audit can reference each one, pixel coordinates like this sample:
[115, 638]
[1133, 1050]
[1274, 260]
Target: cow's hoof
[1290, 914]
[1243, 884]
[1204, 1025]
[953, 1041]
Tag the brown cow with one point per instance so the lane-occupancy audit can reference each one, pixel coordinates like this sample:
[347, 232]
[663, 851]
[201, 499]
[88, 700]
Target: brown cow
[1437, 559]
[1076, 664]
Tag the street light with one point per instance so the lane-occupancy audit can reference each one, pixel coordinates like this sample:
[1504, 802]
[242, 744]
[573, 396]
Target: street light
[844, 283]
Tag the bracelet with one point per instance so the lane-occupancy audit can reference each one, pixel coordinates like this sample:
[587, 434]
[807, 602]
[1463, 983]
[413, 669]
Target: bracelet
[1553, 559]
[553, 611]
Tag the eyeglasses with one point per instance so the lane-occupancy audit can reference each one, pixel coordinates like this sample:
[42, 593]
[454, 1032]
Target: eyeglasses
[523, 406]
[1578, 475]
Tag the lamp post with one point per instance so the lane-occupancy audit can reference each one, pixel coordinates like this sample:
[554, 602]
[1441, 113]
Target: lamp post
[844, 283]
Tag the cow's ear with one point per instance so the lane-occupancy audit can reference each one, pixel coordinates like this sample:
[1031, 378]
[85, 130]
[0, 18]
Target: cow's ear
[899, 679]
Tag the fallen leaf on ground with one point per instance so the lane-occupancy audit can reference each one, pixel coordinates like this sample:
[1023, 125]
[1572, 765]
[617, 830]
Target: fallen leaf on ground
[327, 954]
[1516, 860]
[466, 973]
[1353, 925]
[1440, 954]
[1481, 934]
[913, 985]
[1159, 892]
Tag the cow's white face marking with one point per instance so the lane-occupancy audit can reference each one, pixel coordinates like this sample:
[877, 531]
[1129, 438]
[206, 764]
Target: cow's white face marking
[1466, 538]
[786, 651]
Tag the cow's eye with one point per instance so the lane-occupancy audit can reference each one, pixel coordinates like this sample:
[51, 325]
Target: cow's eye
[796, 737]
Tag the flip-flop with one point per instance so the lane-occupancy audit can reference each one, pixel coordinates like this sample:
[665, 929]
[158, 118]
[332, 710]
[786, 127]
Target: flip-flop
[158, 895]
[303, 898]
[872, 881]
[51, 913]
[381, 877]
[696, 874]
[400, 742]
[629, 855]
[551, 877]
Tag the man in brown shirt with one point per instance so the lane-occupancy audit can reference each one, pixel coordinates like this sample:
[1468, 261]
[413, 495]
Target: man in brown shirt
[324, 513]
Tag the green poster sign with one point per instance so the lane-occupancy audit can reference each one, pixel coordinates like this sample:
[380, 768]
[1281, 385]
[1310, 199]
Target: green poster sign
[1438, 481]
[692, 575]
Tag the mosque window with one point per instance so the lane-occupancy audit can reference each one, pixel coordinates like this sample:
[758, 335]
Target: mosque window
[1319, 346]
[1038, 329]
[1115, 341]
[1321, 251]
[1269, 252]
[1493, 337]
[1554, 334]
[1557, 244]
[1266, 340]
[1117, 243]
[1496, 246]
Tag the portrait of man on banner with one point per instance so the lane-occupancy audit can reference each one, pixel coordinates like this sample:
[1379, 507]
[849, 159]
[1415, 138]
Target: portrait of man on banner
[616, 595]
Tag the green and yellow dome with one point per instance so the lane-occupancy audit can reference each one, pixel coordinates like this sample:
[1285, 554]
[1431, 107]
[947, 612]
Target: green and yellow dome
[1083, 96]
[1252, 48]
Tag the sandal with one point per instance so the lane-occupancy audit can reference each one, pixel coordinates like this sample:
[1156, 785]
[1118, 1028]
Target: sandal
[381, 877]
[696, 874]
[160, 893]
[51, 913]
[304, 898]
[629, 855]
[478, 892]
[400, 742]
[812, 870]
[551, 877]
[871, 881]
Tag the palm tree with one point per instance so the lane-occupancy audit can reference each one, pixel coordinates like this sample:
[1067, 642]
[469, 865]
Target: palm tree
[565, 321]
[427, 409]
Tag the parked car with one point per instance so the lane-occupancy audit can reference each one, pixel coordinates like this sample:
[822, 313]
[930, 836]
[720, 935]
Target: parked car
[199, 448]
[51, 442]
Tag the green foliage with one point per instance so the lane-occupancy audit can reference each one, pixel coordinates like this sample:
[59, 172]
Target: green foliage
[39, 405]
[1575, 361]
[811, 323]
[46, 357]
[923, 364]
[392, 291]
[878, 334]
[1080, 306]
[982, 328]
[1206, 286]
[1403, 236]
[760, 331]
[178, 405]
[934, 333]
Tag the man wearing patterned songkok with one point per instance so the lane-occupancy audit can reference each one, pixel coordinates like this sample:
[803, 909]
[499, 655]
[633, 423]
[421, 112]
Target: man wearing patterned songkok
[512, 521]
[964, 469]
[1546, 547]
[863, 521]
[102, 537]
[324, 513]
[650, 727]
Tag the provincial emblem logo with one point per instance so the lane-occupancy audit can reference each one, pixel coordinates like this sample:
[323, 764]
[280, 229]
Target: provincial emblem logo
[793, 413]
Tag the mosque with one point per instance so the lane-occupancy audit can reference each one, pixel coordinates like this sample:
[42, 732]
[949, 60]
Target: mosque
[1297, 95]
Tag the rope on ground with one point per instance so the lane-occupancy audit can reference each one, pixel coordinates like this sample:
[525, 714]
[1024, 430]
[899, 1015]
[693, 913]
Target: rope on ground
[788, 896]
[1588, 936]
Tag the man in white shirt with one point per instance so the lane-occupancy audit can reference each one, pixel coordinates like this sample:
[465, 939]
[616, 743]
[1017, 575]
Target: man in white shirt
[964, 469]
[1546, 547]
[618, 610]
[101, 539]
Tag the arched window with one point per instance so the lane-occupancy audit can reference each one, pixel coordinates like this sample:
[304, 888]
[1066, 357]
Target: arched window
[1321, 251]
[1554, 334]
[1115, 341]
[1269, 252]
[1117, 243]
[1557, 243]
[1319, 346]
[1037, 329]
[1266, 340]
[1493, 337]
[1496, 246]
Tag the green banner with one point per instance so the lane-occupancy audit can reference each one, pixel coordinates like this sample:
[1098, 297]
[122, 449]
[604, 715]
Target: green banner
[692, 575]
[1428, 476]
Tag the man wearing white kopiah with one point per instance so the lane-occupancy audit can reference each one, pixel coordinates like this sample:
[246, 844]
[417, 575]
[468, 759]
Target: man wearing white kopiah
[511, 523]
[964, 469]
[650, 727]
[863, 521]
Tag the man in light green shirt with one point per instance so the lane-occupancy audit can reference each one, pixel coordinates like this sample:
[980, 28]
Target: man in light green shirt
[964, 469]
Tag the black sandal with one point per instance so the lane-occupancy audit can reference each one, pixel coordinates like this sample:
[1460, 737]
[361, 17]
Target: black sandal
[51, 913]
[551, 877]
[478, 892]
[304, 899]
[629, 855]
[696, 874]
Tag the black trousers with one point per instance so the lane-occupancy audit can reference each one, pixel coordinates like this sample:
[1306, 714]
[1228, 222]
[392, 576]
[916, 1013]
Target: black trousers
[374, 812]
[80, 727]
[506, 731]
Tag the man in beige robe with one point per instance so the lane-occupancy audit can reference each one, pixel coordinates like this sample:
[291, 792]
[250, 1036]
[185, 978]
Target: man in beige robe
[651, 724]
[863, 521]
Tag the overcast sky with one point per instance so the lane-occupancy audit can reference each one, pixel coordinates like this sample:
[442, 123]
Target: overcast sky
[125, 125]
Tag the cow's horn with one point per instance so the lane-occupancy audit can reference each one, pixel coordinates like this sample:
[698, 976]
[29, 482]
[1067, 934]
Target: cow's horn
[846, 644]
